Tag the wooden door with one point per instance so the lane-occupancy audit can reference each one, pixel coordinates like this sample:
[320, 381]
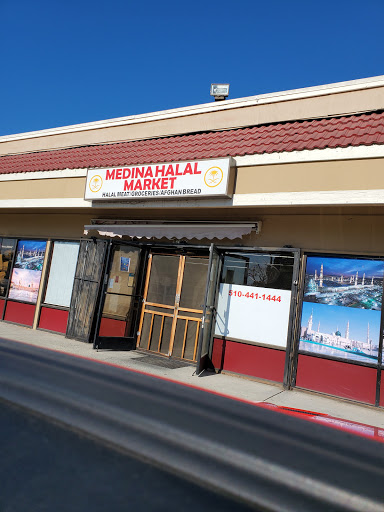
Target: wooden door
[173, 305]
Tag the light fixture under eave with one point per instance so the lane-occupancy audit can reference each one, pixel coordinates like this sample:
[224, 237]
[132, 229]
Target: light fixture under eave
[219, 91]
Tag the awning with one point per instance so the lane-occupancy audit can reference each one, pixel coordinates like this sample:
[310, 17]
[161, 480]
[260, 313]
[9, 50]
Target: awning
[178, 231]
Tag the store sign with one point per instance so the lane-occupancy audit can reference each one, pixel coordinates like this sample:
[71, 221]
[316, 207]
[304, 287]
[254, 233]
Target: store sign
[342, 304]
[198, 178]
[253, 314]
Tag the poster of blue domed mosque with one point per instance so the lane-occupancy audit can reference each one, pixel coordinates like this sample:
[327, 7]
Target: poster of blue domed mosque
[347, 282]
[30, 254]
[342, 308]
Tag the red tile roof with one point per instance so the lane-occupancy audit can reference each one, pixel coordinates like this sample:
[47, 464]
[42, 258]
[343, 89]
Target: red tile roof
[355, 130]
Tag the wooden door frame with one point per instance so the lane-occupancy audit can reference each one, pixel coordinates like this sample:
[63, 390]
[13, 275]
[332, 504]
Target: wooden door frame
[176, 310]
[179, 283]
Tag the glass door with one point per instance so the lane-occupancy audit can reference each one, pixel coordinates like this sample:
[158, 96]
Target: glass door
[121, 300]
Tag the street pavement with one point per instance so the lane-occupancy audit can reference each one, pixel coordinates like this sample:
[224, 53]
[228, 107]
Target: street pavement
[250, 390]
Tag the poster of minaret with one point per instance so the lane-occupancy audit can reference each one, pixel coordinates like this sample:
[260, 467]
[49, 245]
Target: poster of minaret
[342, 308]
[27, 269]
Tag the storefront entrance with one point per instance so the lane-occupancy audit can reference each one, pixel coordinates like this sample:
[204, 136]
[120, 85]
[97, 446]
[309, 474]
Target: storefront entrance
[173, 303]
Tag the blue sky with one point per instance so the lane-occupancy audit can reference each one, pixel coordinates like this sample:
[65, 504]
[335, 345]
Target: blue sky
[333, 317]
[345, 266]
[78, 61]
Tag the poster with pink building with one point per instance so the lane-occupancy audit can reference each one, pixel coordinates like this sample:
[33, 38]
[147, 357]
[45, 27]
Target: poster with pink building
[26, 275]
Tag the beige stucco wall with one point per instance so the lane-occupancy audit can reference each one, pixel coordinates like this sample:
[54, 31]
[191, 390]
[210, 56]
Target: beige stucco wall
[341, 229]
[43, 225]
[335, 233]
[367, 174]
[286, 109]
[361, 233]
[42, 189]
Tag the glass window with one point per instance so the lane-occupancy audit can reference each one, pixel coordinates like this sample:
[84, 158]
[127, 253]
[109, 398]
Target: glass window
[117, 305]
[6, 255]
[61, 273]
[124, 270]
[258, 269]
[255, 297]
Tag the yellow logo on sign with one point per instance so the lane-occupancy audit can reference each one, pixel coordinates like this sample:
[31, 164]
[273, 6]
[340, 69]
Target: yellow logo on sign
[95, 183]
[213, 177]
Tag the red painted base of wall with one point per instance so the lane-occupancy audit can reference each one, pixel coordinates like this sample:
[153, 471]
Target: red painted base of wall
[382, 389]
[337, 378]
[53, 319]
[2, 304]
[252, 360]
[20, 313]
[111, 327]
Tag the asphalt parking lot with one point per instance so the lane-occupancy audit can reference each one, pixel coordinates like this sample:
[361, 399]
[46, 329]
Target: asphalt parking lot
[250, 390]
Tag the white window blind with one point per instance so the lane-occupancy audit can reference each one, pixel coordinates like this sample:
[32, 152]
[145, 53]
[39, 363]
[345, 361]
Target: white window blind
[61, 274]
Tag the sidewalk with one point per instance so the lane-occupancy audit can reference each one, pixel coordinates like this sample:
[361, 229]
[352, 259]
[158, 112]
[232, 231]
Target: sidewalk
[237, 387]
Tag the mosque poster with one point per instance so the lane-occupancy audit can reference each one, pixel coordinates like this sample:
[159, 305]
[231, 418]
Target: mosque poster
[342, 308]
[336, 331]
[348, 282]
[26, 274]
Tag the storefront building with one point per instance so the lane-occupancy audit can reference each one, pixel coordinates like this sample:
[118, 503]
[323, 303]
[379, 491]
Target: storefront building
[244, 236]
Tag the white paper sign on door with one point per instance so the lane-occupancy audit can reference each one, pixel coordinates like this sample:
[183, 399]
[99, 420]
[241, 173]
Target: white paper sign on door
[253, 314]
